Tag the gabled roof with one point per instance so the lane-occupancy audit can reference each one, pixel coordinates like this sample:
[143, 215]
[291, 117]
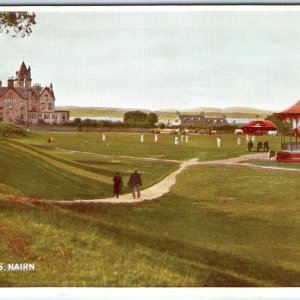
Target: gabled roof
[260, 124]
[292, 112]
[20, 91]
[2, 90]
[44, 89]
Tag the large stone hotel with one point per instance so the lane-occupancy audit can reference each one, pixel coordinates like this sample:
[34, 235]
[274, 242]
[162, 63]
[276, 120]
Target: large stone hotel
[24, 103]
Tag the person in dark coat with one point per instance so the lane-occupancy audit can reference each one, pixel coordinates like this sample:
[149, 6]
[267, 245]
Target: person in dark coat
[266, 146]
[118, 182]
[259, 146]
[250, 145]
[135, 183]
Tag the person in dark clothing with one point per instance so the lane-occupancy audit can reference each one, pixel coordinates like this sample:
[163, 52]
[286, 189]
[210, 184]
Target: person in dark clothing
[250, 145]
[266, 146]
[259, 146]
[135, 183]
[118, 182]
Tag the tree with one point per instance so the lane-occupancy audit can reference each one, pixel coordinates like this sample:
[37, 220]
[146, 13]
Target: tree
[152, 118]
[17, 23]
[134, 117]
[286, 127]
[140, 119]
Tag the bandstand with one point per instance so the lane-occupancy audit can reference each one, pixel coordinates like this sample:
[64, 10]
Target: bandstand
[290, 146]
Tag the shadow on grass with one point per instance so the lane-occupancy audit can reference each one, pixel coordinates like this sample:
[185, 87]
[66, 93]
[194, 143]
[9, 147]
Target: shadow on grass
[224, 269]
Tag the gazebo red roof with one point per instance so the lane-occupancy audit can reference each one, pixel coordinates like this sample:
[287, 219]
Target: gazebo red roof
[291, 113]
[260, 125]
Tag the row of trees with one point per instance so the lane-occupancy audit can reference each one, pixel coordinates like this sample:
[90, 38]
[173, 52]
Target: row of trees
[140, 119]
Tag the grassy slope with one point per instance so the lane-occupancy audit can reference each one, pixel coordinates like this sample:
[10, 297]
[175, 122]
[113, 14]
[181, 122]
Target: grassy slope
[50, 174]
[199, 146]
[200, 234]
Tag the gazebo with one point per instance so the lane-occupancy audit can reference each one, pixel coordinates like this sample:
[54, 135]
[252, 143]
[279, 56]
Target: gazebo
[259, 127]
[290, 149]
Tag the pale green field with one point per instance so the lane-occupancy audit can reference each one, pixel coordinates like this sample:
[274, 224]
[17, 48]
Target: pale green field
[203, 147]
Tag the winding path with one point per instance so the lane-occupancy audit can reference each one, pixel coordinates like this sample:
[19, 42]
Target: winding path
[150, 193]
[163, 187]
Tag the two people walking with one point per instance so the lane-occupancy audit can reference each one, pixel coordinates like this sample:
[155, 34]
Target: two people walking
[135, 182]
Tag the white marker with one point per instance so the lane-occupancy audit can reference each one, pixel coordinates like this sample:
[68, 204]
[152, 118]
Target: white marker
[155, 138]
[176, 140]
[142, 138]
[103, 137]
[218, 143]
[186, 138]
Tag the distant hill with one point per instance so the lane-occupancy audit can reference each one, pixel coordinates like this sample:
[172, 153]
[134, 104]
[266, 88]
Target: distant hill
[230, 112]
[234, 109]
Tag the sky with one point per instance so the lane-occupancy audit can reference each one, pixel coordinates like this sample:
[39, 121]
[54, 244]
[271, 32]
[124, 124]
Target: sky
[162, 58]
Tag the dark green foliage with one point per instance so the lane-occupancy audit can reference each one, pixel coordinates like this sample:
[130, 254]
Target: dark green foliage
[9, 130]
[285, 127]
[152, 118]
[17, 23]
[140, 119]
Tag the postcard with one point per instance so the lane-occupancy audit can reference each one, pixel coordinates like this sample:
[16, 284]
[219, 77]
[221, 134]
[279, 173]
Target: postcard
[150, 147]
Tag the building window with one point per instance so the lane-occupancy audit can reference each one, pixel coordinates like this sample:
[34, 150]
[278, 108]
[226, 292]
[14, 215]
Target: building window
[46, 97]
[49, 106]
[42, 106]
[47, 116]
[10, 96]
[22, 117]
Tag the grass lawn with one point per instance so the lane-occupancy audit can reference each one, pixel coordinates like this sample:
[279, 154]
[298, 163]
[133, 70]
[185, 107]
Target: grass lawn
[200, 234]
[203, 147]
[218, 226]
[52, 174]
[275, 164]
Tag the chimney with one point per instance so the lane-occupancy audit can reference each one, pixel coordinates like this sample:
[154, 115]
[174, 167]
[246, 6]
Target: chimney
[10, 82]
[0, 83]
[51, 87]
